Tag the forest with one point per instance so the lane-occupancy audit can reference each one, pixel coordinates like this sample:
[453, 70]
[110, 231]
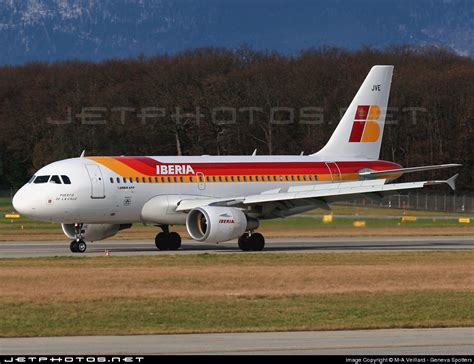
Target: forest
[229, 102]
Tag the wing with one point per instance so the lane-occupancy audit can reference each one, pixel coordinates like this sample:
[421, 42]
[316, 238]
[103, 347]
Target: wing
[281, 203]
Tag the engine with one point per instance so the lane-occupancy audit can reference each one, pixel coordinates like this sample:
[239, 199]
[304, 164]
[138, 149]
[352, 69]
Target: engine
[214, 224]
[94, 232]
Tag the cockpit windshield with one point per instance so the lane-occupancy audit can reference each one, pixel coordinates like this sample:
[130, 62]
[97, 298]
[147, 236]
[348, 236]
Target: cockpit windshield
[41, 179]
[51, 179]
[55, 179]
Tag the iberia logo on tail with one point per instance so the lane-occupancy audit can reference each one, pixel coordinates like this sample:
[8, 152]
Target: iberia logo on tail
[365, 128]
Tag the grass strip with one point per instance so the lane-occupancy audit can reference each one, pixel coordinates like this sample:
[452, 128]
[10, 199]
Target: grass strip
[409, 309]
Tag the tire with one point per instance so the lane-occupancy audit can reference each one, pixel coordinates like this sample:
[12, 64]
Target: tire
[160, 241]
[73, 246]
[81, 246]
[256, 242]
[244, 243]
[174, 241]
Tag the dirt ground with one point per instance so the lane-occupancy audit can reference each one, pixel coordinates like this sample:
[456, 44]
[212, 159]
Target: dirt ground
[28, 280]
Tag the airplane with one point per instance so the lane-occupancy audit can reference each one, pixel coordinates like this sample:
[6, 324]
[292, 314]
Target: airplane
[221, 198]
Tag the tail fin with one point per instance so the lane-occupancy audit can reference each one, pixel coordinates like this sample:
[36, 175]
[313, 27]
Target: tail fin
[359, 133]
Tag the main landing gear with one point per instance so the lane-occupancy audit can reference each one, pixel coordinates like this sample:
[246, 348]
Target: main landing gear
[252, 242]
[78, 245]
[166, 240]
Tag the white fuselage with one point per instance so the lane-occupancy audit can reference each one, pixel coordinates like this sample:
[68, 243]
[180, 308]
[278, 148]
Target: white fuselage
[115, 189]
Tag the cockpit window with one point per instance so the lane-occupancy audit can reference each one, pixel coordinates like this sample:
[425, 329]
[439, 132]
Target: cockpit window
[66, 180]
[31, 179]
[55, 179]
[41, 179]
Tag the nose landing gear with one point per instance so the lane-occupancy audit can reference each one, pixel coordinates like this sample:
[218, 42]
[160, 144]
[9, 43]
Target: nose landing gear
[78, 245]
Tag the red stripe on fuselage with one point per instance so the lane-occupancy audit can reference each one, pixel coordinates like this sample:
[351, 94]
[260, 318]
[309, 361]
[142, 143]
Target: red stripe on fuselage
[147, 166]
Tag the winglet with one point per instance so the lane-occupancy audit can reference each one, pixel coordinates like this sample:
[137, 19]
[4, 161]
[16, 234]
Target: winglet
[83, 154]
[452, 181]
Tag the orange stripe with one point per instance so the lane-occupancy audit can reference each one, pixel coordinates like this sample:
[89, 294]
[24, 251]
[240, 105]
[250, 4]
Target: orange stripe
[117, 166]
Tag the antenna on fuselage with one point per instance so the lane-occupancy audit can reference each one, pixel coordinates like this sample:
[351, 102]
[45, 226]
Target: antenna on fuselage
[83, 154]
[254, 152]
[302, 152]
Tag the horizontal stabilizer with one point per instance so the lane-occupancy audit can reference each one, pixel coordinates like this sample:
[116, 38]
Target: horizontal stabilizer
[406, 170]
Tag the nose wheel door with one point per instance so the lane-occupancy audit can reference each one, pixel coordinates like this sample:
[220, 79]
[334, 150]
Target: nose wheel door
[97, 181]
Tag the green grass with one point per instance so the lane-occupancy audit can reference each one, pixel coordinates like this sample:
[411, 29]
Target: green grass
[83, 263]
[238, 314]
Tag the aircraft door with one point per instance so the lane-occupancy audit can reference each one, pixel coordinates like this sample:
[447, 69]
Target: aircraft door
[334, 171]
[97, 181]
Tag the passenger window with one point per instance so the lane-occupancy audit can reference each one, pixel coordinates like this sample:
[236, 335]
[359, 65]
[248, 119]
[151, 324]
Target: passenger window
[191, 179]
[256, 178]
[118, 180]
[250, 178]
[181, 179]
[156, 179]
[111, 180]
[143, 179]
[55, 179]
[124, 180]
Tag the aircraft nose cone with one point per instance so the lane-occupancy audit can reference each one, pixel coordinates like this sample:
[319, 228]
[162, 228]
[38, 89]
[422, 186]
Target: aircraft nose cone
[20, 202]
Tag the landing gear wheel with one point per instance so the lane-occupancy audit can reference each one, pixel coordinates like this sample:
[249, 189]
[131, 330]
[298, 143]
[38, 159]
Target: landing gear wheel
[175, 241]
[257, 242]
[254, 242]
[73, 246]
[78, 246]
[168, 241]
[243, 243]
[81, 246]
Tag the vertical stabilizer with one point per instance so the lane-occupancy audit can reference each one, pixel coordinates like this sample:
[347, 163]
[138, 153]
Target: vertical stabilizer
[359, 133]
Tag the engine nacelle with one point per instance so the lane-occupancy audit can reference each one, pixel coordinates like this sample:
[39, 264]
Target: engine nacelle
[94, 232]
[214, 224]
